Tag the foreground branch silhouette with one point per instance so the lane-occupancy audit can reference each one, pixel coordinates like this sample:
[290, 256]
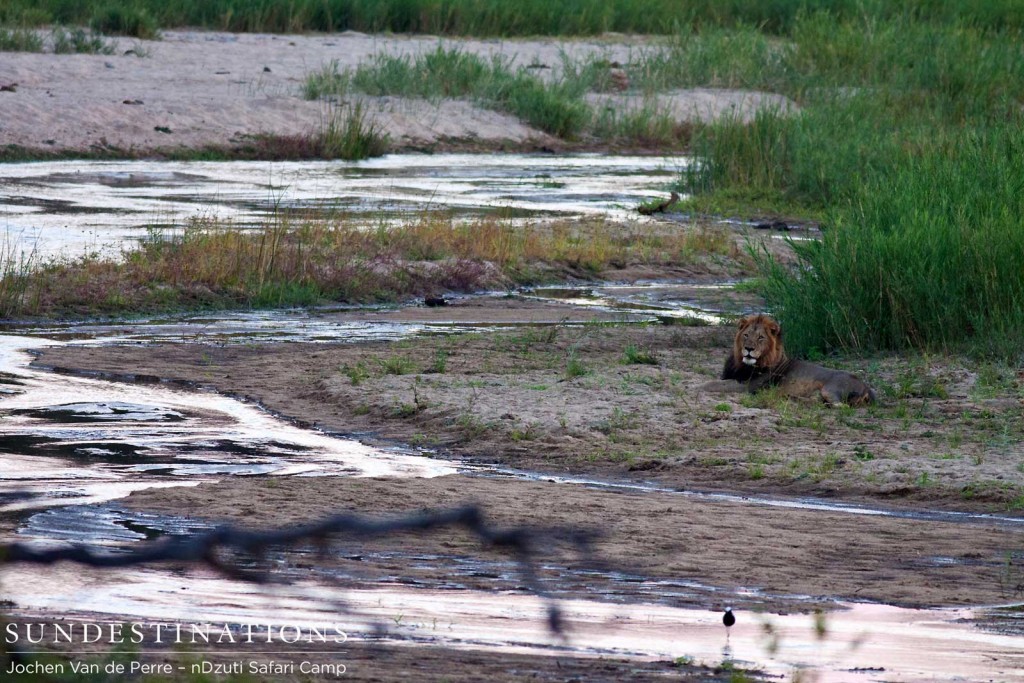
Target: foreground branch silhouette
[202, 548]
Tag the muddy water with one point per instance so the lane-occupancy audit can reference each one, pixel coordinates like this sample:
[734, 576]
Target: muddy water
[73, 440]
[858, 642]
[77, 206]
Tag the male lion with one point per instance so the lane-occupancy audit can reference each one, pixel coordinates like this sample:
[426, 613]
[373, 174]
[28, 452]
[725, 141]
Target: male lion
[758, 360]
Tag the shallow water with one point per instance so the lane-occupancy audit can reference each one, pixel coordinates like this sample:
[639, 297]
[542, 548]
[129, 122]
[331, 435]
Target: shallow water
[77, 206]
[861, 642]
[73, 440]
[70, 445]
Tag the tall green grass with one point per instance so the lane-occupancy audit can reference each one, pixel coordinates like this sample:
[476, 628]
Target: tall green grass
[909, 143]
[495, 17]
[20, 40]
[928, 255]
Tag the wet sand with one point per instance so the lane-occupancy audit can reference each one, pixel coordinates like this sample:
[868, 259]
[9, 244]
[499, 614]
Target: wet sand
[505, 397]
[939, 437]
[194, 89]
[796, 560]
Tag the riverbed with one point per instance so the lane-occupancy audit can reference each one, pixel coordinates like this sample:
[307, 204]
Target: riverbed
[191, 416]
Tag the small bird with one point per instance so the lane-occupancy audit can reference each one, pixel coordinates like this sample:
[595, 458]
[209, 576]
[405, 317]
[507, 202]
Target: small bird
[728, 619]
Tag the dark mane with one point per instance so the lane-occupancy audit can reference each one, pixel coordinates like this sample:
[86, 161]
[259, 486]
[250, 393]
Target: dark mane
[756, 376]
[737, 369]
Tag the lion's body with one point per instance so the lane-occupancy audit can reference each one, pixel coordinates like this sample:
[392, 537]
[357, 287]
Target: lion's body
[758, 360]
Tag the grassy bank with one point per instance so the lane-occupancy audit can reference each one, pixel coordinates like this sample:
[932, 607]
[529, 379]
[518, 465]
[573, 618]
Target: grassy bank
[554, 108]
[293, 263]
[142, 18]
[907, 146]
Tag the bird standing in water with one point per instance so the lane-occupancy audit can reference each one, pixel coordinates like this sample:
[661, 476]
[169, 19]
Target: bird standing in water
[728, 619]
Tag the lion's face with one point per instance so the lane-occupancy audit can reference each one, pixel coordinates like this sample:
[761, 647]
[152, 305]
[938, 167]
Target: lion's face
[759, 342]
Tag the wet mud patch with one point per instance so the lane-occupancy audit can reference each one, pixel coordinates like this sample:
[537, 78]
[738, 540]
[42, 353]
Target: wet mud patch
[48, 446]
[112, 411]
[104, 525]
[688, 551]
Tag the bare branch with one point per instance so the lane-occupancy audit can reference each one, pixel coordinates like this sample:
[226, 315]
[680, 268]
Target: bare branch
[202, 548]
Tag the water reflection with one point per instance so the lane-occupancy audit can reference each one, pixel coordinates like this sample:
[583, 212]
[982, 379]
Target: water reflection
[116, 438]
[79, 206]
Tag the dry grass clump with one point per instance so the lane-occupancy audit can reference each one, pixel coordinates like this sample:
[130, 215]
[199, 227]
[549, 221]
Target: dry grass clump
[303, 262]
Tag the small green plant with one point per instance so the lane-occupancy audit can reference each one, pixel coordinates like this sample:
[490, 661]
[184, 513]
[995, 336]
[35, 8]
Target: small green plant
[439, 364]
[396, 365]
[723, 407]
[862, 453]
[617, 421]
[635, 355]
[574, 366]
[472, 426]
[527, 433]
[357, 373]
[327, 82]
[348, 133]
[405, 410]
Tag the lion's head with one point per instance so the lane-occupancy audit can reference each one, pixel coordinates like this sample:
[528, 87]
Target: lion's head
[759, 342]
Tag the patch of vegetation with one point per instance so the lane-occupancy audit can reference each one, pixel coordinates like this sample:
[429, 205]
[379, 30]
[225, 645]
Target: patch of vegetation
[120, 19]
[554, 104]
[524, 17]
[901, 147]
[439, 364]
[14, 39]
[575, 367]
[635, 355]
[472, 426]
[346, 133]
[213, 264]
[618, 421]
[357, 374]
[79, 41]
[554, 108]
[396, 365]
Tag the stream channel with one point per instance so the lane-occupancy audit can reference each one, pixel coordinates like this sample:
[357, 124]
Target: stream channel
[71, 446]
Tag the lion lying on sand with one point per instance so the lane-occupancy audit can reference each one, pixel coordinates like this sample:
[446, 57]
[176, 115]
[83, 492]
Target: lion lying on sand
[758, 360]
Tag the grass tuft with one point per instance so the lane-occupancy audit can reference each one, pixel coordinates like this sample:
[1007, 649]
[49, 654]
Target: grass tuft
[119, 19]
[79, 41]
[19, 40]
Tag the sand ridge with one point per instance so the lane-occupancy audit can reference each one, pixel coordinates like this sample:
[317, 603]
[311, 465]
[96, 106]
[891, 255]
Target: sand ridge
[197, 88]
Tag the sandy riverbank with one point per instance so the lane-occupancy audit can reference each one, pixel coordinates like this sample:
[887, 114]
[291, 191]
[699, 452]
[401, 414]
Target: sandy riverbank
[507, 397]
[195, 89]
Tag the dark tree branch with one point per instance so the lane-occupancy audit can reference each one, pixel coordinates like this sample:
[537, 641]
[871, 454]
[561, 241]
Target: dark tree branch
[202, 548]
